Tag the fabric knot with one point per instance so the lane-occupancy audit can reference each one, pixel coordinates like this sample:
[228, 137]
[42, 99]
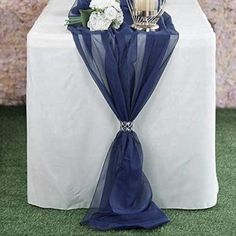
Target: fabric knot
[126, 126]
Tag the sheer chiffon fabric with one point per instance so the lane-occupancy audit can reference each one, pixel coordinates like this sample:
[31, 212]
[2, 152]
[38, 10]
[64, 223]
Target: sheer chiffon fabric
[126, 65]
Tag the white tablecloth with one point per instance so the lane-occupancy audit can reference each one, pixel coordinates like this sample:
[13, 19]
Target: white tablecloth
[70, 126]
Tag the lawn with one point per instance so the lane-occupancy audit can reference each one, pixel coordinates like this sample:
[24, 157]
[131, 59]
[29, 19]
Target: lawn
[19, 218]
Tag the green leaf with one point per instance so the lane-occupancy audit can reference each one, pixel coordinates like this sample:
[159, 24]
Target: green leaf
[85, 14]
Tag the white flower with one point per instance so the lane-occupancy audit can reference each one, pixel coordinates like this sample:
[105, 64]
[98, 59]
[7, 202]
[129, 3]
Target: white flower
[102, 4]
[97, 21]
[110, 13]
[105, 13]
[116, 5]
[118, 21]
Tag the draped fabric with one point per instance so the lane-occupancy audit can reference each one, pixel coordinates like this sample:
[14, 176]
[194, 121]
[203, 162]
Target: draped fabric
[126, 65]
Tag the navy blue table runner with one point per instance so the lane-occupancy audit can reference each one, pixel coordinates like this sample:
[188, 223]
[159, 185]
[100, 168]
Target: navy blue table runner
[126, 65]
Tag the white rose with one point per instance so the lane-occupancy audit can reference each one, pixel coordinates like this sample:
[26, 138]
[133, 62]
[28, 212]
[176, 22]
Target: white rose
[118, 21]
[97, 21]
[116, 5]
[101, 4]
[110, 13]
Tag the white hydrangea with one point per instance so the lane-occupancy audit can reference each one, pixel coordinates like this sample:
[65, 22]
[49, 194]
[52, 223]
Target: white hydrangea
[97, 21]
[102, 4]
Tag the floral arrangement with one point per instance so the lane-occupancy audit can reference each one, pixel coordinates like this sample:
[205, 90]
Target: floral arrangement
[101, 15]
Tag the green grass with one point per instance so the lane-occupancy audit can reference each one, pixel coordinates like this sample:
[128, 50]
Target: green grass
[19, 218]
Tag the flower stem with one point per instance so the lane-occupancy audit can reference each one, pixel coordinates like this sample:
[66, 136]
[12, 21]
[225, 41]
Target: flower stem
[74, 20]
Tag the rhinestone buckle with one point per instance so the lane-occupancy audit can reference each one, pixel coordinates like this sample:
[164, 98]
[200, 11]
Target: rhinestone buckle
[126, 126]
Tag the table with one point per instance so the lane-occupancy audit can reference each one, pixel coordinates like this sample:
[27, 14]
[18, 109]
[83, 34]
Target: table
[176, 127]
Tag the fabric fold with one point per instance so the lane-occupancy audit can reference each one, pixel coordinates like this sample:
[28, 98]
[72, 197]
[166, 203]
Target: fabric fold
[126, 199]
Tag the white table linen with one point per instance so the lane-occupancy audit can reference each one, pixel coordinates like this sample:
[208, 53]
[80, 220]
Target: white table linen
[70, 127]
